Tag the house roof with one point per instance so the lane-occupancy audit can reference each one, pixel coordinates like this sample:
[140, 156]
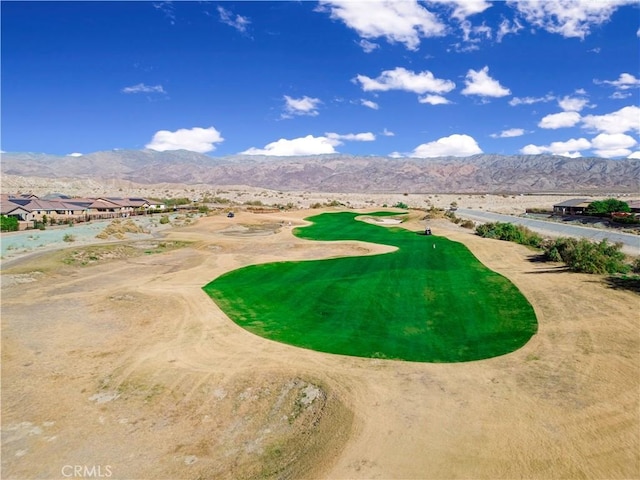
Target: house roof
[574, 202]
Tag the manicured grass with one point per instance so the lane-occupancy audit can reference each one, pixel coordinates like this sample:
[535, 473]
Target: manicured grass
[429, 301]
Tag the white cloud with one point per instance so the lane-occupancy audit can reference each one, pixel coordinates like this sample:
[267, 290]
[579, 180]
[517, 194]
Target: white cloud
[402, 79]
[240, 23]
[480, 83]
[388, 133]
[370, 104]
[624, 120]
[620, 95]
[531, 100]
[433, 100]
[142, 88]
[570, 148]
[506, 28]
[572, 104]
[75, 154]
[368, 46]
[196, 139]
[624, 82]
[300, 106]
[635, 154]
[569, 18]
[560, 120]
[455, 145]
[613, 145]
[464, 8]
[355, 137]
[403, 22]
[308, 145]
[512, 132]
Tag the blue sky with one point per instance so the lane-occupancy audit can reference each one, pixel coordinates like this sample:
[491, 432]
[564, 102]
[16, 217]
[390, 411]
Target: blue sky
[379, 77]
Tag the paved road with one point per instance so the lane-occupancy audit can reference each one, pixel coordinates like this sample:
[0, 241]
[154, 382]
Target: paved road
[630, 242]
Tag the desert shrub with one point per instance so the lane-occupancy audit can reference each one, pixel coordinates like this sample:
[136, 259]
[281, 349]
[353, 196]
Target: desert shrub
[164, 219]
[510, 233]
[467, 224]
[635, 266]
[172, 202]
[69, 238]
[626, 220]
[8, 224]
[401, 205]
[316, 205]
[587, 257]
[203, 209]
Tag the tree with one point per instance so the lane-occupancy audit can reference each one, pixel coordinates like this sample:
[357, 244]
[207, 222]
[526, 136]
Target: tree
[8, 224]
[607, 207]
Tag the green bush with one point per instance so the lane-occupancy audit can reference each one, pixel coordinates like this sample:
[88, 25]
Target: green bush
[510, 233]
[401, 205]
[8, 224]
[587, 257]
[607, 207]
[164, 219]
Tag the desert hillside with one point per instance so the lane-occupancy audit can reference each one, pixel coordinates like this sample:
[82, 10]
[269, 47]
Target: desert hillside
[337, 173]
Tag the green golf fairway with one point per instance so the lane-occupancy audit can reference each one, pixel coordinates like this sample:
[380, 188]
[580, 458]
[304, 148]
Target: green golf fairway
[429, 301]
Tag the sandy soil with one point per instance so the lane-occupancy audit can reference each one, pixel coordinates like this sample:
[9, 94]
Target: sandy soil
[124, 366]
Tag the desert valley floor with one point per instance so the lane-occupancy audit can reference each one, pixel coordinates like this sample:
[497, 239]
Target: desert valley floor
[124, 367]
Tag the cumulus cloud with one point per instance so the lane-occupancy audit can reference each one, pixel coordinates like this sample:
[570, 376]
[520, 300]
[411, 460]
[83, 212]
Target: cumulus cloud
[570, 148]
[404, 22]
[515, 101]
[621, 121]
[512, 132]
[624, 82]
[196, 139]
[559, 120]
[635, 154]
[75, 154]
[142, 88]
[480, 83]
[464, 8]
[610, 145]
[433, 100]
[455, 145]
[402, 79]
[308, 145]
[572, 104]
[300, 106]
[569, 18]
[388, 133]
[238, 22]
[370, 104]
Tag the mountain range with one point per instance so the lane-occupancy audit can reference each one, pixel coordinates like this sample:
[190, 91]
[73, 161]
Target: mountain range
[340, 173]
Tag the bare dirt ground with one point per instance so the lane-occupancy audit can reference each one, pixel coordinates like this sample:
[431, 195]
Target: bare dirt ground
[123, 366]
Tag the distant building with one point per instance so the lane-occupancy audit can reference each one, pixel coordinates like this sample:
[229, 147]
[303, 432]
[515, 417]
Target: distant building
[575, 206]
